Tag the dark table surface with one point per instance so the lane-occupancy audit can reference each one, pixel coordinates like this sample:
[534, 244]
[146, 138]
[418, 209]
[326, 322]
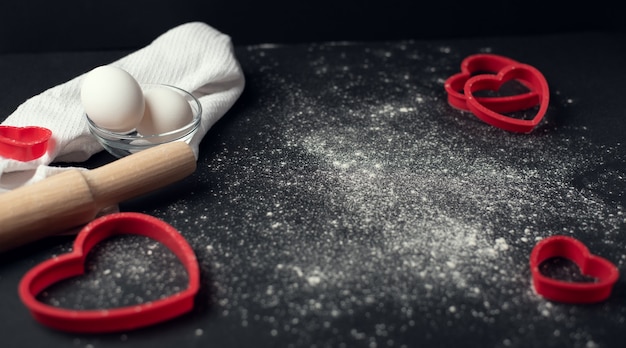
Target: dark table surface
[342, 202]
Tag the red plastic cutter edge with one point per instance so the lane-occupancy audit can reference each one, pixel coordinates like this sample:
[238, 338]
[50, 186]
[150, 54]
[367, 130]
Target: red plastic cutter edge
[600, 268]
[24, 143]
[113, 319]
[519, 71]
[492, 63]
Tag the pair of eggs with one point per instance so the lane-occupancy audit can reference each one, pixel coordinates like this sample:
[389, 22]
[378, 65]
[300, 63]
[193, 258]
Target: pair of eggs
[114, 100]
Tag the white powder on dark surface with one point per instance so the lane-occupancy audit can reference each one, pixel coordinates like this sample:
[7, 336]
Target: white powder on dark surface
[121, 271]
[359, 209]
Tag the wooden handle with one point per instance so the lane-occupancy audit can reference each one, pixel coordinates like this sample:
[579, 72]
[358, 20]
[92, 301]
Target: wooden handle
[74, 197]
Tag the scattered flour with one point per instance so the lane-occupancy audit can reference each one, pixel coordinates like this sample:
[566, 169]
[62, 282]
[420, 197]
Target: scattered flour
[360, 209]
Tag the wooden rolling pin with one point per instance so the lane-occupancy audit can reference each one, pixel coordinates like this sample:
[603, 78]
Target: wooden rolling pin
[74, 197]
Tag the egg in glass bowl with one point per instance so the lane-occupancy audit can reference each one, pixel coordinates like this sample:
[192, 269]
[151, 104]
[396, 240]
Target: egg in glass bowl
[126, 117]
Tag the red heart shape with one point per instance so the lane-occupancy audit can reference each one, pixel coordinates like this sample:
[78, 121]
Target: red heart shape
[73, 264]
[521, 72]
[23, 143]
[481, 63]
[605, 272]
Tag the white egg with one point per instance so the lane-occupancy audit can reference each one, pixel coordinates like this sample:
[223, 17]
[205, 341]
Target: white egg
[166, 110]
[112, 98]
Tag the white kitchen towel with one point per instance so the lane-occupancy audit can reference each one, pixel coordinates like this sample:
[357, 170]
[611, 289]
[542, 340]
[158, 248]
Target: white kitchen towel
[192, 56]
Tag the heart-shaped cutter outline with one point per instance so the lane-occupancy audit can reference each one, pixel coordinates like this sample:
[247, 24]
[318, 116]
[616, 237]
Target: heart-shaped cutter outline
[521, 72]
[24, 143]
[73, 264]
[487, 63]
[605, 272]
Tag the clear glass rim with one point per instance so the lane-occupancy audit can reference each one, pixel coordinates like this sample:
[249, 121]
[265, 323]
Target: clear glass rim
[132, 135]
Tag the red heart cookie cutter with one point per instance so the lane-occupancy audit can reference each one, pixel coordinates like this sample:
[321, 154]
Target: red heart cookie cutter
[521, 72]
[605, 272]
[24, 143]
[73, 264]
[487, 63]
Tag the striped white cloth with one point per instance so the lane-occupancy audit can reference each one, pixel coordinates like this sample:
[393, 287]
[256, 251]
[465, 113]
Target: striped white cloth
[192, 56]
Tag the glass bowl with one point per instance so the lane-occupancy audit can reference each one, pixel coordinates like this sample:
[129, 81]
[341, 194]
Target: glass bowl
[123, 144]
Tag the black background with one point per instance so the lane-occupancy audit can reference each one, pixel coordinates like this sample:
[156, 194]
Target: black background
[580, 49]
[33, 25]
